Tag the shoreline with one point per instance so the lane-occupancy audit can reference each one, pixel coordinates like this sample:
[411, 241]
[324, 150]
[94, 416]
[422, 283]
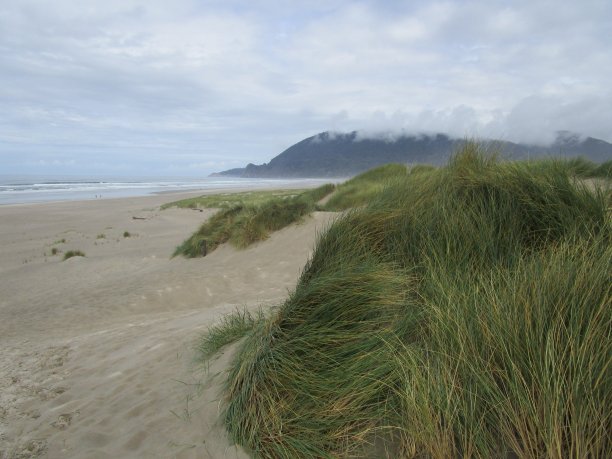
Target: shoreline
[297, 184]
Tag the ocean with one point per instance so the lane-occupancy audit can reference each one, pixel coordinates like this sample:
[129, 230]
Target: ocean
[23, 190]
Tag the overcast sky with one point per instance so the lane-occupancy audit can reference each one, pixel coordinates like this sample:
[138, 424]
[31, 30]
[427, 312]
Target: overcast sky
[152, 87]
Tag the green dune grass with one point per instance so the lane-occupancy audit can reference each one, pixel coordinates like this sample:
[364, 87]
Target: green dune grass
[244, 223]
[227, 200]
[463, 312]
[584, 168]
[603, 170]
[362, 188]
[231, 328]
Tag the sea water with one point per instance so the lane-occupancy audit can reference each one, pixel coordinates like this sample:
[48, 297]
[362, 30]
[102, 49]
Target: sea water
[22, 190]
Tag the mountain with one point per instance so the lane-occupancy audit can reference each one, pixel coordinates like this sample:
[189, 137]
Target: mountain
[344, 155]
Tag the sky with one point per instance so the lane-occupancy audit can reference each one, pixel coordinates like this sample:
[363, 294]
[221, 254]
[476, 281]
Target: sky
[186, 88]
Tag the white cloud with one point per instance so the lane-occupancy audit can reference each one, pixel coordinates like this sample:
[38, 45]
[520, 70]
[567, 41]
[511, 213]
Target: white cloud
[245, 80]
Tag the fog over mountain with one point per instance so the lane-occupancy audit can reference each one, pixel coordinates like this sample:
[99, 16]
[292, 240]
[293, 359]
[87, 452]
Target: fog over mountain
[334, 154]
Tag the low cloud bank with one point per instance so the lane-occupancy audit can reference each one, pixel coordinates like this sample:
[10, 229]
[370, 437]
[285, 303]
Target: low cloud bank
[534, 120]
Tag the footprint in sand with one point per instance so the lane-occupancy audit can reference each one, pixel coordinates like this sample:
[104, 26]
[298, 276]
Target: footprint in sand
[64, 420]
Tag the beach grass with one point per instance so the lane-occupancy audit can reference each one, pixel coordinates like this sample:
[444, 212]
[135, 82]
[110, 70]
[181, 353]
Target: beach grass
[228, 200]
[127, 234]
[578, 167]
[584, 168]
[73, 253]
[229, 329]
[603, 170]
[245, 223]
[462, 311]
[362, 188]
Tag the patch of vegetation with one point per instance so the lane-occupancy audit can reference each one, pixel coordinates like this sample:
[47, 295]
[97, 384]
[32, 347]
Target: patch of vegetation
[364, 187]
[578, 167]
[603, 170]
[60, 241]
[462, 312]
[228, 200]
[101, 236]
[316, 194]
[54, 250]
[231, 328]
[127, 234]
[244, 224]
[73, 253]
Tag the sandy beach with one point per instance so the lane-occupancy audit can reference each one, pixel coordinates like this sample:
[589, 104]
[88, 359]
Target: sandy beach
[97, 351]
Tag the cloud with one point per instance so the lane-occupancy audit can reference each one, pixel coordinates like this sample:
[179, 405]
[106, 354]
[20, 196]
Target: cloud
[128, 80]
[44, 163]
[538, 118]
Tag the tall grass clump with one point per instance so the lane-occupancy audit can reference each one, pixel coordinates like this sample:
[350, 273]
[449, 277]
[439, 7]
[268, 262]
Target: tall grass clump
[579, 167]
[244, 224]
[583, 168]
[361, 188]
[214, 232]
[229, 329]
[603, 170]
[463, 312]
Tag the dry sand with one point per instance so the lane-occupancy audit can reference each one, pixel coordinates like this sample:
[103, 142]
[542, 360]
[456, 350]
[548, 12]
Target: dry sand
[97, 358]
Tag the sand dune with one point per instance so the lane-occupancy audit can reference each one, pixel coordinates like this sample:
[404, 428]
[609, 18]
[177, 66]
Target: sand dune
[97, 351]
